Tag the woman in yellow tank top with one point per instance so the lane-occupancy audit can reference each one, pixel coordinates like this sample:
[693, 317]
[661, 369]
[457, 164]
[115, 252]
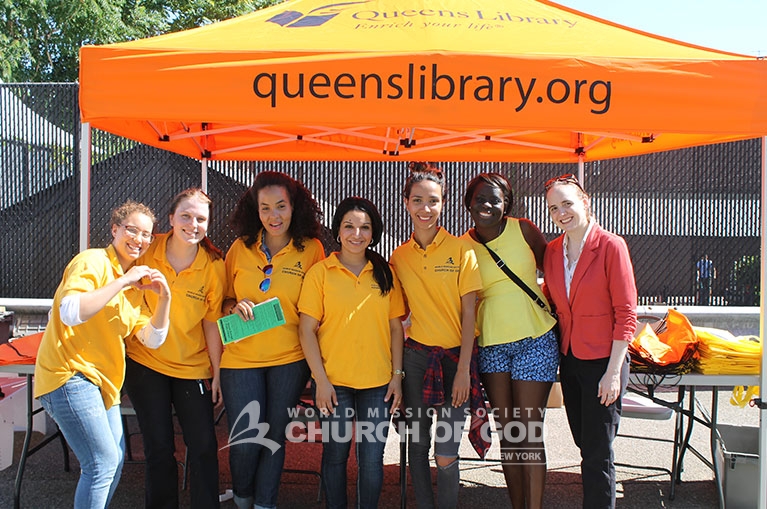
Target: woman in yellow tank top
[518, 355]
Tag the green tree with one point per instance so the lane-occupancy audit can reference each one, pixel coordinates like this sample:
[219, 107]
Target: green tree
[40, 39]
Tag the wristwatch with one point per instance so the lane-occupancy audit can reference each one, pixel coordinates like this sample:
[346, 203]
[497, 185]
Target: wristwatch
[399, 372]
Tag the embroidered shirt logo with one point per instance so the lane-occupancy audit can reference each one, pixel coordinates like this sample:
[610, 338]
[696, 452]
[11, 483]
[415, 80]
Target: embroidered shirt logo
[197, 295]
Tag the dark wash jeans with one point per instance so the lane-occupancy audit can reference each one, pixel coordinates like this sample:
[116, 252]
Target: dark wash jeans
[593, 425]
[256, 471]
[154, 397]
[365, 411]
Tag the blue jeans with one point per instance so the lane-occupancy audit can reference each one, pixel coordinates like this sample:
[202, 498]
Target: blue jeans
[94, 434]
[371, 413]
[420, 422]
[256, 470]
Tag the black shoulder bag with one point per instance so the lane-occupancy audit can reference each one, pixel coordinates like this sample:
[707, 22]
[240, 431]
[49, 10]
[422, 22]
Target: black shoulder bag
[506, 270]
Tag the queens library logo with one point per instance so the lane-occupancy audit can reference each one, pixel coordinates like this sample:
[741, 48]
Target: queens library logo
[313, 18]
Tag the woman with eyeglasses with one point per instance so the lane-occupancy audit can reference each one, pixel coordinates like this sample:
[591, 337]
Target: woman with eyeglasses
[182, 375]
[518, 353]
[351, 309]
[440, 279]
[80, 365]
[590, 279]
[262, 376]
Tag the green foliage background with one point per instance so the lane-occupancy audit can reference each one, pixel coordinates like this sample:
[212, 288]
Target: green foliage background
[40, 39]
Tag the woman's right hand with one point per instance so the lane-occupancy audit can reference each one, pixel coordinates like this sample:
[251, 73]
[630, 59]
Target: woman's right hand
[244, 308]
[135, 274]
[325, 398]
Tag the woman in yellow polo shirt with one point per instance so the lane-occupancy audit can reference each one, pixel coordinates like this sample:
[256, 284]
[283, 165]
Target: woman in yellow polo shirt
[351, 308]
[183, 373]
[440, 278]
[81, 361]
[278, 222]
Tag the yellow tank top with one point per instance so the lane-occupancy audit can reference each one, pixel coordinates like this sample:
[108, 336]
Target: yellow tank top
[506, 313]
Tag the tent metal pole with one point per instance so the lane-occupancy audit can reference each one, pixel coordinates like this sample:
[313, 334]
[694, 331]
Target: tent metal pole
[204, 175]
[581, 166]
[85, 185]
[762, 329]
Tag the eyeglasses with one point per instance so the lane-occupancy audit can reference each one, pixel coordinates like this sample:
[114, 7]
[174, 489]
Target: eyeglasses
[567, 178]
[134, 233]
[267, 282]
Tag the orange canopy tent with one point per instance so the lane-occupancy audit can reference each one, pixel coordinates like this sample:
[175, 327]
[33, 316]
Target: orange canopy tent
[492, 80]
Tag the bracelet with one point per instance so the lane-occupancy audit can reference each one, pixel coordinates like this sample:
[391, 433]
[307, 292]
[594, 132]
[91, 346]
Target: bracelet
[231, 308]
[399, 372]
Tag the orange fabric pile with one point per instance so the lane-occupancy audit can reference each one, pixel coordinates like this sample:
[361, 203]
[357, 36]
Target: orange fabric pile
[671, 347]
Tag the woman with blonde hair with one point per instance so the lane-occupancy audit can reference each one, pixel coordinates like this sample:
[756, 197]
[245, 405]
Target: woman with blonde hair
[182, 375]
[590, 279]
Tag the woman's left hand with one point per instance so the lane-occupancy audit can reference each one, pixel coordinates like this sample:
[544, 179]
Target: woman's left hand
[609, 388]
[157, 283]
[394, 393]
[461, 388]
[215, 392]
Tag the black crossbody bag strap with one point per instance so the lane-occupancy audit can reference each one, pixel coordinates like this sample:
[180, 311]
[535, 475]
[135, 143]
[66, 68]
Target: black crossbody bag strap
[506, 270]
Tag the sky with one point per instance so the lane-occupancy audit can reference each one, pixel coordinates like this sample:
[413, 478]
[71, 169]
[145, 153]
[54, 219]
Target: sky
[739, 26]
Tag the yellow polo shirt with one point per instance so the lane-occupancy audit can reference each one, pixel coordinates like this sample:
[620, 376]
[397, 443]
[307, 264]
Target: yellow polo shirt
[434, 280]
[196, 294]
[94, 348]
[280, 345]
[354, 335]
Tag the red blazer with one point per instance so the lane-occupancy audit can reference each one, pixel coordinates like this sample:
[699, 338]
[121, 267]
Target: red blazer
[603, 295]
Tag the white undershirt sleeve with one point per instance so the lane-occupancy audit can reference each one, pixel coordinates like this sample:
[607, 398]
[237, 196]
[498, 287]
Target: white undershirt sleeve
[69, 310]
[151, 337]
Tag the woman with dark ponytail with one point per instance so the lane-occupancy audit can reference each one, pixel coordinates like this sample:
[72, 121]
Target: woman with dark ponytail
[351, 306]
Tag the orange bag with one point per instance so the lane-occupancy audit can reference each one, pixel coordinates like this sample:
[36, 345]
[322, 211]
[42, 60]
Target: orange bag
[671, 350]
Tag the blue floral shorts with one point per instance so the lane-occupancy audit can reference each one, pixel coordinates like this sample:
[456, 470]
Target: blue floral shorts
[533, 359]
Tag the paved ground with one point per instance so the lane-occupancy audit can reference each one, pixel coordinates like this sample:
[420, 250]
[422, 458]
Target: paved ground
[46, 485]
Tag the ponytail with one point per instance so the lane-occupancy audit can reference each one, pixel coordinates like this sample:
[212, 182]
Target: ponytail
[382, 272]
[214, 252]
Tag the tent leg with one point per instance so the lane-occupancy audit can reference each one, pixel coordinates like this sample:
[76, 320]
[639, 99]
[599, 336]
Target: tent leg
[762, 330]
[204, 175]
[85, 185]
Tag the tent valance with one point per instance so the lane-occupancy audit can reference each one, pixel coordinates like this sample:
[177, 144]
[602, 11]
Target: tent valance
[492, 80]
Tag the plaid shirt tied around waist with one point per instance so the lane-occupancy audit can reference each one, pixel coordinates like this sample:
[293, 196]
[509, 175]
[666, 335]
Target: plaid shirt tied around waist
[434, 389]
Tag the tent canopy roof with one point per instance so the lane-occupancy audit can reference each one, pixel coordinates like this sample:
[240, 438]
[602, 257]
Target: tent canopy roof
[496, 80]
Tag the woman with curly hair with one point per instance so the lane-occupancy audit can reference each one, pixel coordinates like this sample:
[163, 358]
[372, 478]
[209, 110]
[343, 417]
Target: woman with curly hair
[278, 223]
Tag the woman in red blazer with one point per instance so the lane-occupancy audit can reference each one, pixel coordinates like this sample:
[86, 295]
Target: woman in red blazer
[590, 281]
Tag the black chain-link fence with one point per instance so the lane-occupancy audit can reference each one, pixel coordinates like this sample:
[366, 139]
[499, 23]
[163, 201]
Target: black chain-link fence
[671, 207]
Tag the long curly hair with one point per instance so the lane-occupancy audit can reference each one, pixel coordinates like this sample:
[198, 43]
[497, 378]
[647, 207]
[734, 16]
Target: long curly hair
[305, 222]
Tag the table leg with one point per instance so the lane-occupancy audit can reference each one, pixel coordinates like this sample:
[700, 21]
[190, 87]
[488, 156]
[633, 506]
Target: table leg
[688, 434]
[678, 433]
[714, 436]
[24, 448]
